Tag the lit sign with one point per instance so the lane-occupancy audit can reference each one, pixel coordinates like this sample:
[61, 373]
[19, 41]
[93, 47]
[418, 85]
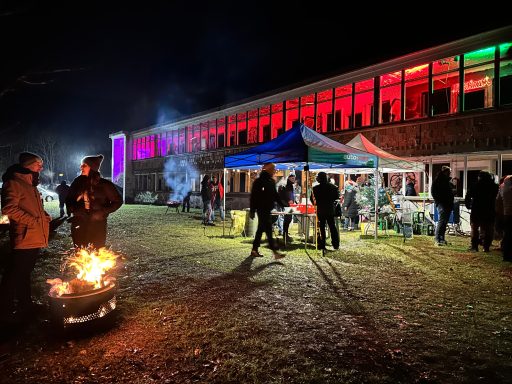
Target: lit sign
[473, 84]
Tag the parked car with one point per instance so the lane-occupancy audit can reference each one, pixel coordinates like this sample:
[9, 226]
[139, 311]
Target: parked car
[47, 195]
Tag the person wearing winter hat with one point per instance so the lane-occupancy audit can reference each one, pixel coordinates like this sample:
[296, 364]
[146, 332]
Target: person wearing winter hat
[90, 200]
[94, 162]
[29, 231]
[263, 197]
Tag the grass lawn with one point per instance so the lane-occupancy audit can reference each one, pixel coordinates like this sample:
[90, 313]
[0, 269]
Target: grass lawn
[193, 307]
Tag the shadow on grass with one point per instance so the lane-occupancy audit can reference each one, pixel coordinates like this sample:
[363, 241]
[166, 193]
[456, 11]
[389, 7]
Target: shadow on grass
[340, 292]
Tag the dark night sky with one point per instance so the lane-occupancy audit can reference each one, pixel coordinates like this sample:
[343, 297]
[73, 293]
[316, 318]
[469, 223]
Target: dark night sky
[131, 66]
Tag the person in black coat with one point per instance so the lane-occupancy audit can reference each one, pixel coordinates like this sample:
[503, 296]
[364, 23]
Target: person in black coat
[442, 193]
[287, 195]
[90, 200]
[481, 199]
[409, 188]
[62, 190]
[186, 202]
[263, 197]
[325, 195]
[206, 196]
[350, 208]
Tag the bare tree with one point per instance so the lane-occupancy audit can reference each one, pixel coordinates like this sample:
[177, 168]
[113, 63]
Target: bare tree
[47, 146]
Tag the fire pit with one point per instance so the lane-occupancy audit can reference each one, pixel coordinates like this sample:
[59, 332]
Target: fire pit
[90, 298]
[173, 204]
[89, 308]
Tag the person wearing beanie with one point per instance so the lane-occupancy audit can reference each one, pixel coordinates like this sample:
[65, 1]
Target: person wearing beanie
[26, 159]
[90, 200]
[94, 162]
[263, 197]
[29, 231]
[324, 196]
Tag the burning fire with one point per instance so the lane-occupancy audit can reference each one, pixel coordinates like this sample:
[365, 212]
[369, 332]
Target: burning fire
[91, 266]
[4, 219]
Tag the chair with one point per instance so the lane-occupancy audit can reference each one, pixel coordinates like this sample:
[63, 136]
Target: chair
[237, 227]
[369, 227]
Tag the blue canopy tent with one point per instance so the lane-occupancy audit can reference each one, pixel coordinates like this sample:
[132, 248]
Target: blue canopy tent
[301, 148]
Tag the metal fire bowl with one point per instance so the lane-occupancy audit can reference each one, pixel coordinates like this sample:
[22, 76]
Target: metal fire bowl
[76, 310]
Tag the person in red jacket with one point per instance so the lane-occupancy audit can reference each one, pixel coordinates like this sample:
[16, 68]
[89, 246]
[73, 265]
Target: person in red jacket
[29, 231]
[217, 197]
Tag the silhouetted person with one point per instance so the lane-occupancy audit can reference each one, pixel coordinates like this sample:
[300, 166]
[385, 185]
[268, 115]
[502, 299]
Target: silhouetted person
[325, 195]
[217, 197]
[442, 193]
[186, 202]
[504, 202]
[263, 197]
[62, 190]
[481, 199]
[287, 195]
[206, 196]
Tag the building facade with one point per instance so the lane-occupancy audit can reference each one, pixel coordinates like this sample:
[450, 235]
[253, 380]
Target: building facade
[447, 105]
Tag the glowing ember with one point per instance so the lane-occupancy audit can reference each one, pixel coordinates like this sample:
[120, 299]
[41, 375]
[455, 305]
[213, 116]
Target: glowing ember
[91, 266]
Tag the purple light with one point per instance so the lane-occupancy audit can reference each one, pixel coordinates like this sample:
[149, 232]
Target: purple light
[118, 161]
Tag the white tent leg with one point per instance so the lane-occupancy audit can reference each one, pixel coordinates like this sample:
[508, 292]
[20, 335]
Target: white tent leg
[224, 202]
[376, 175]
[306, 220]
[424, 190]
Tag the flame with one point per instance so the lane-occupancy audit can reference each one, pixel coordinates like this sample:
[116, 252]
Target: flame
[91, 266]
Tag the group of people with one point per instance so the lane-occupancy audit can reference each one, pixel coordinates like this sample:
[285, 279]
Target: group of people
[490, 205]
[265, 197]
[212, 195]
[89, 200]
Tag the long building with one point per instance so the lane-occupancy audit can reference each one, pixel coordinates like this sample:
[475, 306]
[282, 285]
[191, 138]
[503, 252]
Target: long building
[446, 105]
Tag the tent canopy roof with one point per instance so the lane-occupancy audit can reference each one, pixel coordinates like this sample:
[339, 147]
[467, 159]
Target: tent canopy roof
[301, 146]
[387, 161]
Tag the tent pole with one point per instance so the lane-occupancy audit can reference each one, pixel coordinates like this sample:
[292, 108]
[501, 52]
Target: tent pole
[424, 187]
[376, 201]
[224, 202]
[306, 219]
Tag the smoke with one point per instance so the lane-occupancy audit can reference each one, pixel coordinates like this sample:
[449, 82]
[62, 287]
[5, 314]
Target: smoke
[166, 115]
[178, 177]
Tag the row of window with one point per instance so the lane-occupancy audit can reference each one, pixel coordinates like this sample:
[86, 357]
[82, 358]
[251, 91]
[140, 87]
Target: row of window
[423, 91]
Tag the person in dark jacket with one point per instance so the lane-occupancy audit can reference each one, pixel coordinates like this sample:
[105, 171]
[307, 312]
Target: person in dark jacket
[287, 196]
[62, 190]
[409, 188]
[263, 197]
[350, 208]
[90, 200]
[29, 231]
[217, 197]
[186, 202]
[504, 205]
[325, 194]
[481, 199]
[206, 196]
[442, 193]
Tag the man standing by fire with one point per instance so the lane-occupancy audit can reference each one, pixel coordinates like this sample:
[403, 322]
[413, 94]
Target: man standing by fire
[90, 200]
[29, 230]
